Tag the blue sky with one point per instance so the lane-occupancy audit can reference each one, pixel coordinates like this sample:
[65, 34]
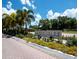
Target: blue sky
[43, 8]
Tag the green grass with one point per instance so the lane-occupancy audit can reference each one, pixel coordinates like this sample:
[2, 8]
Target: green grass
[61, 47]
[72, 32]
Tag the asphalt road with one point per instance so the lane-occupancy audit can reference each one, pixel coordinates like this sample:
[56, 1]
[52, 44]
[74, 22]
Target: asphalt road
[14, 49]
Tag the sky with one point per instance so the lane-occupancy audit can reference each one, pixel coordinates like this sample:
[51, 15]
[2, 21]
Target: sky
[50, 9]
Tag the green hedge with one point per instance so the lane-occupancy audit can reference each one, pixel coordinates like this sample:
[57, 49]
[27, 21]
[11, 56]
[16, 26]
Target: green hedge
[61, 47]
[29, 35]
[19, 35]
[71, 41]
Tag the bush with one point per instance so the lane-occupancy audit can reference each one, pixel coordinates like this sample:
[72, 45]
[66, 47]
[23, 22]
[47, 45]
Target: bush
[40, 42]
[30, 35]
[72, 50]
[19, 35]
[50, 39]
[61, 47]
[72, 42]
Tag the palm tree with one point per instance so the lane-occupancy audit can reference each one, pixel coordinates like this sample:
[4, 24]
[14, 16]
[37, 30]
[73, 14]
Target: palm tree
[6, 22]
[13, 23]
[24, 17]
[13, 20]
[18, 20]
[44, 24]
[3, 20]
[28, 17]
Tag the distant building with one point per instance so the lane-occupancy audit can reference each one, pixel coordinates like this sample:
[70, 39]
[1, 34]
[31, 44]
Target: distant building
[48, 33]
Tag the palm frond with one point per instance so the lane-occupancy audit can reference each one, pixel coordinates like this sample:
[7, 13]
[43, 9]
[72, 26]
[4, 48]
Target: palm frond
[30, 11]
[32, 17]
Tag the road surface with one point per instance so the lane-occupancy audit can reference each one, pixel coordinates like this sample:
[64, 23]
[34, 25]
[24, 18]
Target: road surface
[12, 49]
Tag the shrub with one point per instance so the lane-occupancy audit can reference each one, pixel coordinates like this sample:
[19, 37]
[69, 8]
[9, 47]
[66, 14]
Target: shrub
[50, 39]
[61, 47]
[72, 42]
[19, 35]
[40, 42]
[72, 50]
[29, 35]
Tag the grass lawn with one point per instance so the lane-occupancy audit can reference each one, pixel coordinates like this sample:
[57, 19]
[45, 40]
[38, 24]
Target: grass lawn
[72, 32]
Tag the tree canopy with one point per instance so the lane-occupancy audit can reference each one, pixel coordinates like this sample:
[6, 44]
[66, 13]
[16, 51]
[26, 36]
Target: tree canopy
[60, 23]
[17, 21]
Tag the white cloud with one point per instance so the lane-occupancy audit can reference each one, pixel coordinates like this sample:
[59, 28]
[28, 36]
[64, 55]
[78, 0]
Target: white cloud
[23, 1]
[69, 13]
[37, 18]
[56, 15]
[50, 14]
[9, 5]
[5, 10]
[26, 2]
[32, 1]
[9, 9]
[29, 3]
[25, 8]
[33, 6]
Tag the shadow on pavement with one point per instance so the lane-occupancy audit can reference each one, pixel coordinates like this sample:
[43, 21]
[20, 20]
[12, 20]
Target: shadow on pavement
[6, 36]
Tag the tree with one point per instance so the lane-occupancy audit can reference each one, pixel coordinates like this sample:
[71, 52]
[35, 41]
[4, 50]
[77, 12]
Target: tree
[19, 19]
[44, 24]
[55, 24]
[28, 17]
[13, 20]
[61, 23]
[16, 21]
[6, 22]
